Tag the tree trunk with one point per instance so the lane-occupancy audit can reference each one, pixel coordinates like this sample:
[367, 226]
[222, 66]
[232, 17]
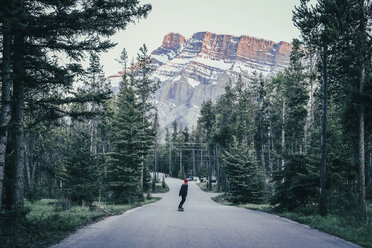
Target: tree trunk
[17, 118]
[218, 171]
[262, 157]
[209, 171]
[322, 198]
[93, 135]
[283, 133]
[154, 172]
[28, 169]
[310, 119]
[271, 146]
[361, 155]
[181, 168]
[369, 169]
[361, 151]
[5, 101]
[201, 160]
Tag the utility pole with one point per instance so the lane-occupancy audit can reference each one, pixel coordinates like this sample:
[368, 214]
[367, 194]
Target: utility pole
[218, 171]
[170, 159]
[155, 164]
[209, 170]
[201, 160]
[181, 169]
[193, 162]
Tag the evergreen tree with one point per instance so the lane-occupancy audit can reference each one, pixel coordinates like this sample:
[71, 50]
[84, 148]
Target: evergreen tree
[317, 29]
[127, 155]
[246, 179]
[297, 97]
[260, 106]
[207, 121]
[41, 28]
[81, 170]
[296, 184]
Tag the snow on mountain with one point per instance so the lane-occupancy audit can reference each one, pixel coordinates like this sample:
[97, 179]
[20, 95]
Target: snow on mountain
[197, 69]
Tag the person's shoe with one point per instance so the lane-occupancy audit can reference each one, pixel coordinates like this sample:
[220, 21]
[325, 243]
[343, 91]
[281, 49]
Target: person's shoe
[180, 209]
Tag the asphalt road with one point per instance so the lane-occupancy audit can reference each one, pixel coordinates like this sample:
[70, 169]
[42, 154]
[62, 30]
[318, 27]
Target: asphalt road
[204, 224]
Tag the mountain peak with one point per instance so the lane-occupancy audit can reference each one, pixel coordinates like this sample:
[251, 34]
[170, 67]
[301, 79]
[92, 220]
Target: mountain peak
[173, 40]
[199, 68]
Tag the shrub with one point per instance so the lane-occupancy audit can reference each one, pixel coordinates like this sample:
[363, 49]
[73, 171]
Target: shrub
[62, 204]
[297, 184]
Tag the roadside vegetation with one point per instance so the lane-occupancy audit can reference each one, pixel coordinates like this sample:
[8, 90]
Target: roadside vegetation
[49, 220]
[344, 226]
[299, 139]
[159, 187]
[204, 186]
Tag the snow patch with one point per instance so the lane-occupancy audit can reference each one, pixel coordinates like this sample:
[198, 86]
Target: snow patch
[193, 82]
[160, 57]
[220, 64]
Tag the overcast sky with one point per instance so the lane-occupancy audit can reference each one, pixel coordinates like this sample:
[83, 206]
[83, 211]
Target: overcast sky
[268, 19]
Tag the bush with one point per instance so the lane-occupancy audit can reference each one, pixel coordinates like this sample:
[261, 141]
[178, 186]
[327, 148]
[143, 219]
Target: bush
[153, 185]
[62, 204]
[246, 180]
[163, 185]
[297, 184]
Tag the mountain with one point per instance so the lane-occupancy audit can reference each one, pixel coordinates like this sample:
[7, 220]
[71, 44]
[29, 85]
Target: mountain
[196, 69]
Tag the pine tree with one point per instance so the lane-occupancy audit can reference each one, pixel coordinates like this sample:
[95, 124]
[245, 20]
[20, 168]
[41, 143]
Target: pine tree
[318, 29]
[260, 106]
[5, 88]
[95, 84]
[245, 178]
[296, 184]
[297, 97]
[40, 28]
[127, 156]
[81, 170]
[207, 121]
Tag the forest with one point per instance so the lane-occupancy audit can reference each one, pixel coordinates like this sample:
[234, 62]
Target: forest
[301, 139]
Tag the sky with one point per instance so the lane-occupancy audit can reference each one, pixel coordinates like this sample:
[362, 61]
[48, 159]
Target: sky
[267, 19]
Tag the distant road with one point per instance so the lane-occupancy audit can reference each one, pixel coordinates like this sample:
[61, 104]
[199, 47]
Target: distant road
[204, 224]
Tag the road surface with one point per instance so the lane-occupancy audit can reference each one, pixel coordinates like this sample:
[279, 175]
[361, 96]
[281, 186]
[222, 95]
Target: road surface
[204, 224]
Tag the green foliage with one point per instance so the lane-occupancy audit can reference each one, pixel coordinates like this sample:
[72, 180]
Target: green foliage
[132, 134]
[205, 187]
[296, 96]
[163, 184]
[160, 188]
[80, 172]
[345, 226]
[43, 226]
[296, 184]
[246, 179]
[146, 179]
[369, 191]
[62, 204]
[126, 157]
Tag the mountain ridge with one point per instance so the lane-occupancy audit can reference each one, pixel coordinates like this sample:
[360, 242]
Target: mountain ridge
[199, 68]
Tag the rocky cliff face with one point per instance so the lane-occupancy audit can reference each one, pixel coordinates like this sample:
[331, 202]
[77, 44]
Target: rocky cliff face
[196, 69]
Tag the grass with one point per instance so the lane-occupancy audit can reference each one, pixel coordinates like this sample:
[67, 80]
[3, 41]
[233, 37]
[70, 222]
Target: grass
[160, 189]
[342, 226]
[203, 186]
[45, 226]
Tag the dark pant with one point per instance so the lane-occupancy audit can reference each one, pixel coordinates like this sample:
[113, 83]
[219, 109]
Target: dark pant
[182, 202]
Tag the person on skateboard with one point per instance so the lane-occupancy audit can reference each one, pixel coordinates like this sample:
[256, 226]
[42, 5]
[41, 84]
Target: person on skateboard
[183, 194]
